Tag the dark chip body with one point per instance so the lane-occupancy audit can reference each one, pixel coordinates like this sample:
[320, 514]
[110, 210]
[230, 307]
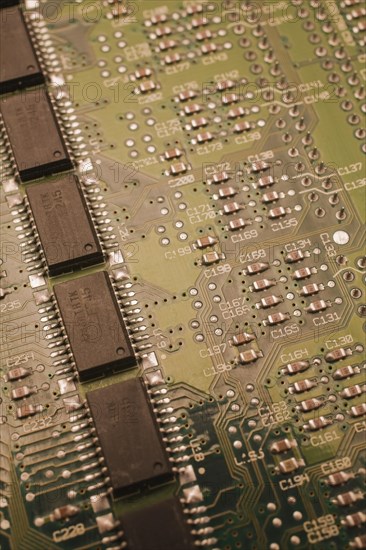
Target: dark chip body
[19, 66]
[161, 526]
[7, 3]
[64, 225]
[94, 325]
[34, 134]
[129, 436]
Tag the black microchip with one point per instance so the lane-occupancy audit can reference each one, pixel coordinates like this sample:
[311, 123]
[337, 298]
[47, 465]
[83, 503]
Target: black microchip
[129, 435]
[64, 225]
[7, 3]
[34, 134]
[158, 527]
[94, 325]
[19, 64]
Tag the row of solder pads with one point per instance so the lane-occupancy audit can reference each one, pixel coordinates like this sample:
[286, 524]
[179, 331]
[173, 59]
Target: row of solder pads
[91, 316]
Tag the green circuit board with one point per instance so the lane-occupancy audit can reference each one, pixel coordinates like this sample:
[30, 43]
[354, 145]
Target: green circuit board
[212, 154]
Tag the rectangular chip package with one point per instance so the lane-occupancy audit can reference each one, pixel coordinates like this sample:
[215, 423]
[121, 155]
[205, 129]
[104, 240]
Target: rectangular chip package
[129, 436]
[7, 3]
[19, 66]
[161, 526]
[34, 134]
[64, 225]
[94, 325]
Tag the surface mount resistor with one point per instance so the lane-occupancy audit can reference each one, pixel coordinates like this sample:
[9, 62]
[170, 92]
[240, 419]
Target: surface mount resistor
[163, 31]
[192, 108]
[231, 208]
[294, 256]
[241, 127]
[203, 35]
[303, 273]
[290, 465]
[278, 212]
[212, 258]
[172, 58]
[243, 338]
[187, 95]
[206, 241]
[277, 318]
[317, 306]
[345, 372]
[258, 267]
[302, 386]
[28, 410]
[227, 192]
[238, 223]
[337, 355]
[147, 86]
[249, 356]
[318, 423]
[225, 85]
[354, 520]
[228, 99]
[311, 404]
[352, 391]
[282, 446]
[178, 168]
[358, 410]
[21, 392]
[339, 478]
[296, 367]
[143, 73]
[17, 373]
[346, 499]
[219, 177]
[259, 166]
[174, 153]
[262, 284]
[269, 301]
[204, 137]
[236, 112]
[271, 196]
[199, 122]
[358, 542]
[208, 48]
[310, 290]
[167, 44]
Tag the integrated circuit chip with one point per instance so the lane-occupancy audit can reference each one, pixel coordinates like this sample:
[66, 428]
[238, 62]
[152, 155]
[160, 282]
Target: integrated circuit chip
[158, 527]
[34, 134]
[94, 325]
[64, 225]
[129, 436]
[7, 3]
[19, 66]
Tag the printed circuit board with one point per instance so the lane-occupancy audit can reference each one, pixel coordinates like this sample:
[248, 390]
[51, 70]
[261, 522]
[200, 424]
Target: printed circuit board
[183, 275]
